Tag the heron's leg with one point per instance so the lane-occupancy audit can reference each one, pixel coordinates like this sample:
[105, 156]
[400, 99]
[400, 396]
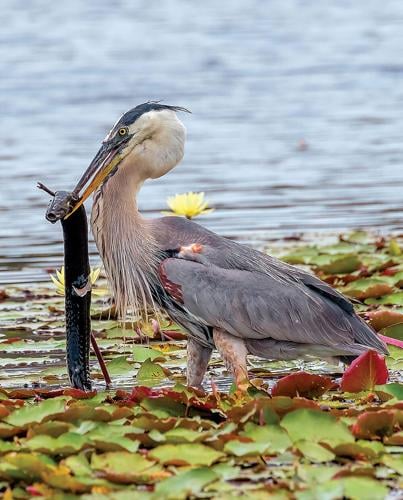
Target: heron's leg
[198, 358]
[233, 351]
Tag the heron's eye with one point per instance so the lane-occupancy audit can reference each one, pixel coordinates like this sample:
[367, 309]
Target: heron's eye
[122, 131]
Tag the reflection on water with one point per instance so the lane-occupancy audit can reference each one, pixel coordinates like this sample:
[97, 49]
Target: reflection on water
[296, 125]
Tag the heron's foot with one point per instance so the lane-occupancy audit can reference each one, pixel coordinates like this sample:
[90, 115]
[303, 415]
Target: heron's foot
[197, 362]
[233, 351]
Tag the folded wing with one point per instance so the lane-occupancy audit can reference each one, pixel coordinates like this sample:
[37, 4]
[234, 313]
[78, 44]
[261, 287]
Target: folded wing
[254, 305]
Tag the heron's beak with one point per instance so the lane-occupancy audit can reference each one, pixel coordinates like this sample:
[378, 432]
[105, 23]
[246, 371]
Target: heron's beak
[108, 156]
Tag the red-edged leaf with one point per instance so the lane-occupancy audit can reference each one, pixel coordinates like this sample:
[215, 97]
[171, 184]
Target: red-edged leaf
[11, 340]
[173, 335]
[391, 341]
[141, 392]
[303, 384]
[364, 373]
[79, 394]
[33, 491]
[374, 424]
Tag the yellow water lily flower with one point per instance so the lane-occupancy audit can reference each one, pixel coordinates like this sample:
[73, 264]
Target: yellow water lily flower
[188, 205]
[58, 281]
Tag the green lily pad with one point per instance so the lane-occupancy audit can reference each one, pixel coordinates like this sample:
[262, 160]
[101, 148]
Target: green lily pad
[314, 451]
[65, 444]
[393, 462]
[391, 299]
[120, 366]
[368, 287]
[141, 353]
[337, 264]
[316, 427]
[394, 389]
[185, 484]
[274, 437]
[150, 372]
[36, 412]
[185, 454]
[121, 463]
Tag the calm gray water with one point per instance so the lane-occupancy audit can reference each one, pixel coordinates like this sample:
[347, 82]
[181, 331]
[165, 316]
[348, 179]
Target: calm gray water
[260, 77]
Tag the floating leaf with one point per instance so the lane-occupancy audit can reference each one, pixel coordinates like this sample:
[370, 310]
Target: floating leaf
[121, 466]
[185, 454]
[395, 389]
[391, 299]
[394, 331]
[141, 353]
[273, 436]
[314, 451]
[364, 373]
[383, 318]
[368, 287]
[65, 444]
[303, 384]
[185, 484]
[357, 488]
[370, 425]
[316, 427]
[393, 462]
[27, 466]
[330, 490]
[120, 366]
[36, 412]
[182, 435]
[337, 264]
[150, 372]
[394, 248]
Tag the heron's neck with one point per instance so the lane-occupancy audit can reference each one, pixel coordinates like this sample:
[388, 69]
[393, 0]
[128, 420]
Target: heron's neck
[124, 240]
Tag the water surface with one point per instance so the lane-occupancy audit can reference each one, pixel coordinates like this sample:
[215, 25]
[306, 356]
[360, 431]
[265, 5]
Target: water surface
[297, 111]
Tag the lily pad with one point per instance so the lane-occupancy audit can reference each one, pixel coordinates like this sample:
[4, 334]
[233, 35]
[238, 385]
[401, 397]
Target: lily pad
[317, 427]
[185, 454]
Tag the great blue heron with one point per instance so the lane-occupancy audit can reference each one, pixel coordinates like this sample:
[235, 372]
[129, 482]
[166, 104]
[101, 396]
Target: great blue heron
[226, 295]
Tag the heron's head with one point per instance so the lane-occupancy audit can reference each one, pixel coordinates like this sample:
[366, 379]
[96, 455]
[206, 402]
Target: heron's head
[145, 143]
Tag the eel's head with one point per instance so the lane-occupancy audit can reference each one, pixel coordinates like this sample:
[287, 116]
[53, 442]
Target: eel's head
[62, 203]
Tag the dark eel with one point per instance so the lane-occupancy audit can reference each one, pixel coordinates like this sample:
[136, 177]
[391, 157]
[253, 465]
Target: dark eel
[77, 285]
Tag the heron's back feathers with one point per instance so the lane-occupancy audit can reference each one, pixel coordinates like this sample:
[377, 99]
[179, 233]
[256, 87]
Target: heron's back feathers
[275, 307]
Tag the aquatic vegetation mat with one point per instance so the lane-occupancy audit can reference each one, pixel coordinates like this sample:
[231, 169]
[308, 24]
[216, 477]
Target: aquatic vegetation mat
[301, 431]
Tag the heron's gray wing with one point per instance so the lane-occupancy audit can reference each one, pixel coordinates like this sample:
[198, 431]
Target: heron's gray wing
[324, 289]
[253, 305]
[225, 253]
